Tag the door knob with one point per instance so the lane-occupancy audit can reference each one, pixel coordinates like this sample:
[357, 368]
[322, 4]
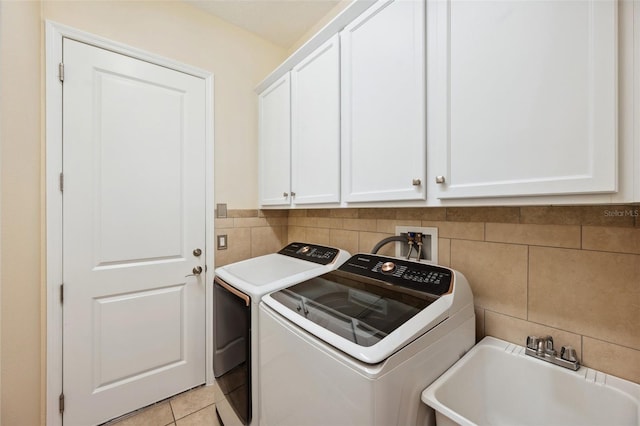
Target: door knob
[196, 271]
[197, 252]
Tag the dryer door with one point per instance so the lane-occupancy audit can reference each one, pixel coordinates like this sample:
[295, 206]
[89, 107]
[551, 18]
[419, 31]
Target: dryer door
[232, 346]
[231, 327]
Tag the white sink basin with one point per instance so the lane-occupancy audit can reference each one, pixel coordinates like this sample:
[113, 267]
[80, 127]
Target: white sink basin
[495, 383]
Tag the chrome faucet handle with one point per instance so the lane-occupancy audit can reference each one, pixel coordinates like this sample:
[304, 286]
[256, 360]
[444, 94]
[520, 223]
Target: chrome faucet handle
[532, 342]
[548, 345]
[567, 353]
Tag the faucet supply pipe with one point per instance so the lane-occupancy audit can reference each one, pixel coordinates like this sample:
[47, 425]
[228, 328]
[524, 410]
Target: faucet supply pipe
[410, 240]
[386, 241]
[419, 241]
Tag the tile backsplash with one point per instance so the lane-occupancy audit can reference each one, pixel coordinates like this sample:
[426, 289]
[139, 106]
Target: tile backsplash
[251, 233]
[571, 272]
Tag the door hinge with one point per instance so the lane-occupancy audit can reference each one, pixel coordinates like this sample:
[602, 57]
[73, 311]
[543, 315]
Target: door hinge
[61, 293]
[61, 181]
[61, 403]
[205, 268]
[61, 72]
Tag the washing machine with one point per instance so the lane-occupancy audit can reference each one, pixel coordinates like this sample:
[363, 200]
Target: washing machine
[358, 345]
[238, 288]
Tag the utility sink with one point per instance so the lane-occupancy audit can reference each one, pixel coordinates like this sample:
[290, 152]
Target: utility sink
[495, 383]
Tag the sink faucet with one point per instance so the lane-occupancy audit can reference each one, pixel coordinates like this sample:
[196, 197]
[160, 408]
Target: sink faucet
[546, 346]
[542, 348]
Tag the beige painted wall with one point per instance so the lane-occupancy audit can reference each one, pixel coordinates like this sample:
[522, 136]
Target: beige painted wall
[239, 61]
[335, 11]
[21, 221]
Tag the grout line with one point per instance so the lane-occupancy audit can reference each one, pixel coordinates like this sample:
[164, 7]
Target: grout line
[599, 339]
[196, 411]
[528, 279]
[173, 415]
[581, 237]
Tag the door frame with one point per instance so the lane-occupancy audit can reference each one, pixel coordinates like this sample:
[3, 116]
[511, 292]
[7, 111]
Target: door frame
[54, 35]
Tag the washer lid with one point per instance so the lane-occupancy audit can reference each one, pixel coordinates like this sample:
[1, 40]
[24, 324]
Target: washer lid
[370, 307]
[359, 312]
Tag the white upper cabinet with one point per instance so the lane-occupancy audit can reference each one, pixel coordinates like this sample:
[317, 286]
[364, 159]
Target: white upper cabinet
[383, 103]
[315, 126]
[274, 154]
[522, 97]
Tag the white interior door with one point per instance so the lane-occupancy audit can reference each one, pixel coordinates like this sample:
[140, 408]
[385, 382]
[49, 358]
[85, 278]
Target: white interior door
[133, 214]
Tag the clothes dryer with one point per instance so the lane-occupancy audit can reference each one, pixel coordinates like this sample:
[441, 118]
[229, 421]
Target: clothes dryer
[238, 288]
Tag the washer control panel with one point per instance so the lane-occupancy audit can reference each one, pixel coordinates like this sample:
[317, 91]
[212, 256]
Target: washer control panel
[311, 252]
[416, 276]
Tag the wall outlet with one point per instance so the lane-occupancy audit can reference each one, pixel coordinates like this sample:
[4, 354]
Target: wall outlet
[429, 251]
[222, 242]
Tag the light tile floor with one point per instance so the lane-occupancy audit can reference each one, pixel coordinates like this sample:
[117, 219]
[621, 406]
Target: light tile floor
[192, 408]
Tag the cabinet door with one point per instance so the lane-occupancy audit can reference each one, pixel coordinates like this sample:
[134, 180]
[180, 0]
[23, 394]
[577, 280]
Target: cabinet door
[275, 143]
[315, 114]
[383, 98]
[522, 97]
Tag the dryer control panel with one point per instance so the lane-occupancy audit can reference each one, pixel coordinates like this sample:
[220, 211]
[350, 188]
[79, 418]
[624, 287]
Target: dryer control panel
[416, 276]
[311, 252]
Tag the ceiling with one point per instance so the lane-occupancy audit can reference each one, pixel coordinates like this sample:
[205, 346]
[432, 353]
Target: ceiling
[282, 22]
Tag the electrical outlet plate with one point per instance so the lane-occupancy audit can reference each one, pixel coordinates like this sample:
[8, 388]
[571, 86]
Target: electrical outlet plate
[222, 242]
[429, 247]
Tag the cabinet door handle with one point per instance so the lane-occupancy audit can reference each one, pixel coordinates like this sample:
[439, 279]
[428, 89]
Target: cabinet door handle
[416, 182]
[285, 194]
[439, 179]
[293, 194]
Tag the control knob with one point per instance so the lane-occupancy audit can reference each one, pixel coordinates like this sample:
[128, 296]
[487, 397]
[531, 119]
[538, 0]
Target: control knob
[305, 249]
[388, 267]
